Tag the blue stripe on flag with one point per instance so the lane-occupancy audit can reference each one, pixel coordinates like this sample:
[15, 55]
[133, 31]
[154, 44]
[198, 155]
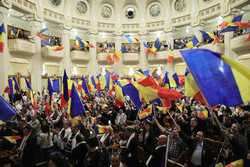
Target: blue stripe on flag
[214, 77]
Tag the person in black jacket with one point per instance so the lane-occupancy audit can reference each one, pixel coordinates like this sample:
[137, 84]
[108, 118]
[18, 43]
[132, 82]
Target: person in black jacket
[200, 153]
[79, 152]
[158, 156]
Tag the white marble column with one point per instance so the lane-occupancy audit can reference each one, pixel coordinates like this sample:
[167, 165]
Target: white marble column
[92, 65]
[5, 56]
[143, 62]
[117, 67]
[170, 39]
[66, 63]
[227, 45]
[36, 60]
[195, 19]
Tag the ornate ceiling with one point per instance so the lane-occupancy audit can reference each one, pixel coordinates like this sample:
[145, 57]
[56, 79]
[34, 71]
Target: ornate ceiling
[125, 15]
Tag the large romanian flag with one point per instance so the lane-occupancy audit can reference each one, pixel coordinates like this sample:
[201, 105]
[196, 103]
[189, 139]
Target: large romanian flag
[221, 79]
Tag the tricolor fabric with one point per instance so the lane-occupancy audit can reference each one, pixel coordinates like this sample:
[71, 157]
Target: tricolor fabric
[2, 31]
[145, 112]
[85, 86]
[205, 36]
[194, 42]
[17, 87]
[11, 89]
[50, 87]
[165, 80]
[176, 79]
[92, 78]
[221, 79]
[6, 110]
[76, 105]
[133, 93]
[28, 85]
[157, 44]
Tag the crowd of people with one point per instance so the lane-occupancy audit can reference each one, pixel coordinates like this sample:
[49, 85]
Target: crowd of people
[105, 47]
[130, 48]
[108, 134]
[18, 33]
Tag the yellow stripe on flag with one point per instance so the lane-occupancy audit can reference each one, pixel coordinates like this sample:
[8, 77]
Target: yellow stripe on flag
[191, 87]
[118, 93]
[145, 113]
[147, 93]
[163, 110]
[102, 82]
[241, 75]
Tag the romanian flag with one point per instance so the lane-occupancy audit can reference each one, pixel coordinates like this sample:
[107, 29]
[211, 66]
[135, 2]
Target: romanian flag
[194, 42]
[148, 94]
[76, 105]
[11, 90]
[28, 85]
[12, 139]
[101, 129]
[118, 96]
[149, 82]
[85, 86]
[117, 56]
[205, 36]
[238, 163]
[133, 93]
[221, 79]
[2, 31]
[50, 88]
[203, 113]
[6, 110]
[92, 78]
[176, 79]
[17, 87]
[157, 44]
[145, 112]
[162, 110]
[191, 88]
[165, 80]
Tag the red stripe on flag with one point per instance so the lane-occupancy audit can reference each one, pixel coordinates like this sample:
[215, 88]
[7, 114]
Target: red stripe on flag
[1, 47]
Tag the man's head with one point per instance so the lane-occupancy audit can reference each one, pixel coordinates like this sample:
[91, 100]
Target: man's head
[235, 128]
[162, 140]
[199, 136]
[194, 122]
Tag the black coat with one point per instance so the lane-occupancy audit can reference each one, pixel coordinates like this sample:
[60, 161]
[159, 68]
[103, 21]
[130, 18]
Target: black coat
[29, 157]
[158, 157]
[207, 156]
[79, 154]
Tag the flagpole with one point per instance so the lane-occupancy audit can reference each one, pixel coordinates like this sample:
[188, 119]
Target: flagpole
[166, 153]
